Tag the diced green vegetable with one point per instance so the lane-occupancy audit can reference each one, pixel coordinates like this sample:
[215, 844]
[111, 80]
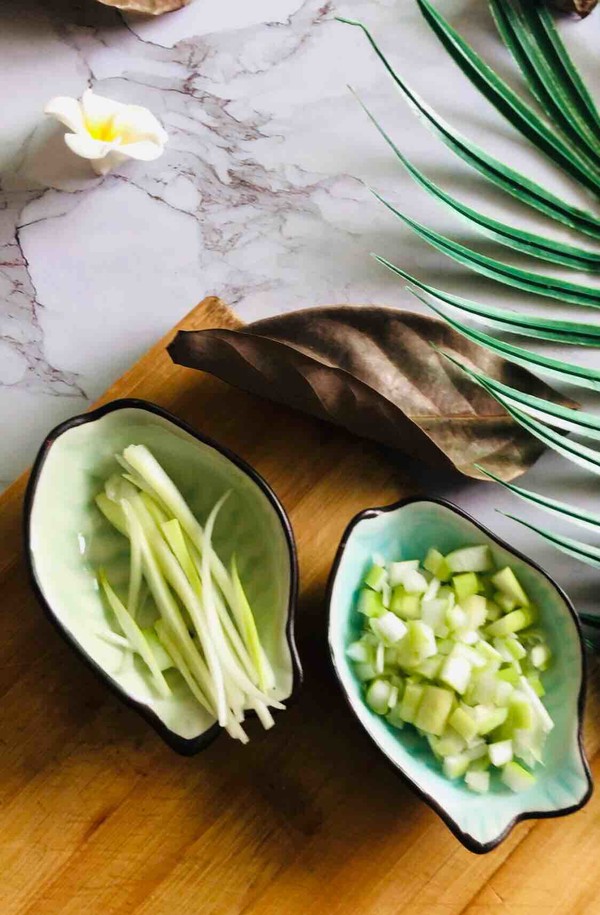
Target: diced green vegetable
[437, 565]
[465, 585]
[378, 696]
[470, 559]
[516, 777]
[370, 603]
[507, 582]
[375, 578]
[389, 627]
[406, 606]
[478, 781]
[463, 723]
[455, 766]
[397, 570]
[500, 752]
[460, 661]
[413, 693]
[434, 709]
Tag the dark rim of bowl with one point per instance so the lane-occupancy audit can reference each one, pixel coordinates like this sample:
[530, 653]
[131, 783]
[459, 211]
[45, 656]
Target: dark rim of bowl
[467, 840]
[183, 746]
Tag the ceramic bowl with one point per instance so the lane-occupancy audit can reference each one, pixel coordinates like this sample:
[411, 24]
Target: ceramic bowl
[67, 539]
[405, 531]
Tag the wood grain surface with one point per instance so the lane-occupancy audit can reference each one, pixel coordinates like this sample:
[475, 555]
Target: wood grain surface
[99, 817]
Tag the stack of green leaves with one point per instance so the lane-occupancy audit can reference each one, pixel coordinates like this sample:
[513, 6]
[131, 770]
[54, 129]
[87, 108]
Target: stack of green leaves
[568, 132]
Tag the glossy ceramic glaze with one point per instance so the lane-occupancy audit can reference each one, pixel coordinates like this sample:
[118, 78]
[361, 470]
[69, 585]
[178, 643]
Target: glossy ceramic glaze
[406, 531]
[67, 539]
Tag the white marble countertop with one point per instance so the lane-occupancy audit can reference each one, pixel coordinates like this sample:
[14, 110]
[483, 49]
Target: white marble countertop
[260, 197]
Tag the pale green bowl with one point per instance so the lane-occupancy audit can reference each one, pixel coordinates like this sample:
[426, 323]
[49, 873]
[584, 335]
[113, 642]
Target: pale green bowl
[406, 531]
[67, 539]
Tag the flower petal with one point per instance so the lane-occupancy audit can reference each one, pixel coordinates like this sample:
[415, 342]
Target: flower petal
[100, 108]
[137, 123]
[67, 111]
[145, 150]
[85, 146]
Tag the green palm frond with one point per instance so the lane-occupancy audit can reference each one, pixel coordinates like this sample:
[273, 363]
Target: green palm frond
[557, 331]
[511, 181]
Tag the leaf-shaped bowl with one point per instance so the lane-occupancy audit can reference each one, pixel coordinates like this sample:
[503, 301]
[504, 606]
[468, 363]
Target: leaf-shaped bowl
[406, 530]
[67, 539]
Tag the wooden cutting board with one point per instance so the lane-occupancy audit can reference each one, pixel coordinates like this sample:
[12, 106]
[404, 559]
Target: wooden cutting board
[99, 817]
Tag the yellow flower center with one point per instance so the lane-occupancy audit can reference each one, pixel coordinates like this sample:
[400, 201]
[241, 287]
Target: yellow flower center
[106, 131]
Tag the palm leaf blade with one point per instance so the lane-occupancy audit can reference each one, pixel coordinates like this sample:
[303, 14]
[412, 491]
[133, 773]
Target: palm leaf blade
[511, 181]
[521, 31]
[508, 103]
[572, 513]
[536, 283]
[554, 414]
[558, 331]
[530, 243]
[575, 548]
[564, 371]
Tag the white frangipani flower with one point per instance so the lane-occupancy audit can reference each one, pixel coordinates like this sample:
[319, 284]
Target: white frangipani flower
[108, 132]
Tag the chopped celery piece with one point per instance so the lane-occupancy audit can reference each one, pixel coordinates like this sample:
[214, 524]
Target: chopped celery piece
[536, 684]
[380, 658]
[370, 603]
[375, 578]
[360, 651]
[470, 559]
[500, 752]
[437, 565]
[509, 674]
[490, 720]
[512, 622]
[450, 743]
[504, 602]
[478, 781]
[456, 618]
[493, 611]
[540, 657]
[487, 651]
[414, 582]
[406, 606]
[515, 649]
[413, 693]
[378, 696]
[397, 570]
[465, 584]
[365, 671]
[432, 590]
[430, 667]
[507, 582]
[516, 777]
[456, 672]
[433, 612]
[389, 627]
[395, 718]
[455, 766]
[475, 607]
[434, 709]
[463, 723]
[421, 640]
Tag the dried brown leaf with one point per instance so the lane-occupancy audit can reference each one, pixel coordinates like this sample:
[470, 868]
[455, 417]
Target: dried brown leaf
[147, 7]
[375, 372]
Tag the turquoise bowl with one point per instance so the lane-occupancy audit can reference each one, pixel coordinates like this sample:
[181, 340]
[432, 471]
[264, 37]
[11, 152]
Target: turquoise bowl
[405, 531]
[67, 539]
